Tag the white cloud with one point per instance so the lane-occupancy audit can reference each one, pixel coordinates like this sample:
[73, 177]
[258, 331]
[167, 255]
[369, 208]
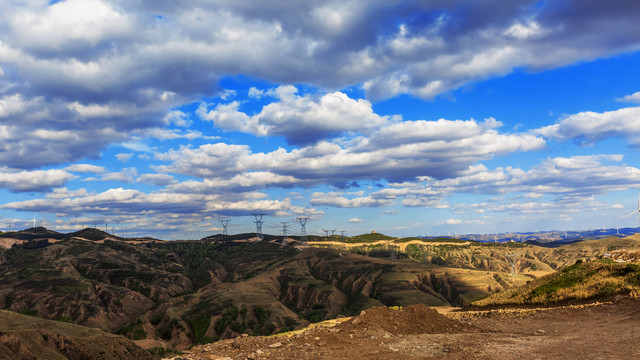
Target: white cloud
[255, 93]
[13, 104]
[523, 31]
[575, 176]
[451, 221]
[387, 148]
[355, 220]
[85, 168]
[170, 206]
[157, 179]
[177, 118]
[124, 157]
[300, 119]
[58, 26]
[588, 126]
[633, 98]
[337, 200]
[172, 134]
[37, 180]
[239, 183]
[77, 60]
[126, 175]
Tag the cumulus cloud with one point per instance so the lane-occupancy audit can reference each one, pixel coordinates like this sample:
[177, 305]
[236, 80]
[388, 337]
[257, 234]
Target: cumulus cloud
[85, 168]
[633, 98]
[569, 179]
[395, 150]
[124, 157]
[355, 220]
[588, 127]
[33, 181]
[120, 201]
[157, 179]
[177, 118]
[114, 63]
[337, 200]
[300, 119]
[126, 175]
[240, 183]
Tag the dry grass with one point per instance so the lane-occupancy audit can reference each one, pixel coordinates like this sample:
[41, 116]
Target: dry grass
[581, 281]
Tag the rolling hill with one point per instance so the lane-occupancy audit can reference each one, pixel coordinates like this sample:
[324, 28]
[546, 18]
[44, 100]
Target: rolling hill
[174, 294]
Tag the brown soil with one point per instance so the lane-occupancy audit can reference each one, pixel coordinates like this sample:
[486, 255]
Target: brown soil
[597, 331]
[31, 338]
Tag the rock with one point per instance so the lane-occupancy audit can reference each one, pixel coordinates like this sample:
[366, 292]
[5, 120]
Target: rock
[619, 297]
[235, 344]
[356, 321]
[275, 345]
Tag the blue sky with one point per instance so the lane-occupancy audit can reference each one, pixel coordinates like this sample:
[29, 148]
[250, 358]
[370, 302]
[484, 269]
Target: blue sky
[395, 116]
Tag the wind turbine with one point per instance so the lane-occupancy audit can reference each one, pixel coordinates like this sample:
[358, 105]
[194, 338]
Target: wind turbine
[635, 211]
[34, 220]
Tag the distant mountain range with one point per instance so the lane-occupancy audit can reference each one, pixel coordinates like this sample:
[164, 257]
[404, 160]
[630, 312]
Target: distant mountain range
[549, 237]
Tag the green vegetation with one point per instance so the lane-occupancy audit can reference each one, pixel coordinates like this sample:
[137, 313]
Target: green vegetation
[133, 330]
[581, 281]
[163, 352]
[229, 317]
[433, 240]
[199, 326]
[29, 312]
[371, 237]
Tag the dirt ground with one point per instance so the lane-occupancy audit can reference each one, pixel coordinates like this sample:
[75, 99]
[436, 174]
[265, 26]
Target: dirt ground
[595, 331]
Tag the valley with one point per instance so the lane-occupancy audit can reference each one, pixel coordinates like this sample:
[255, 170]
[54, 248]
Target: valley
[168, 296]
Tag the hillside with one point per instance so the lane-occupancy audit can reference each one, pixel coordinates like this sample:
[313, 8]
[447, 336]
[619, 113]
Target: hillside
[28, 337]
[582, 281]
[181, 293]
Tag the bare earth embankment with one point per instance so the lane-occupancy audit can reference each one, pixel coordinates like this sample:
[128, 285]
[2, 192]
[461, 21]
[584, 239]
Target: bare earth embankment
[597, 331]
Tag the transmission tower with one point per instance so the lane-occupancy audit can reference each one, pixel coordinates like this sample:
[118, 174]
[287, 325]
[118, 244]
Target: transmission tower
[333, 232]
[326, 233]
[224, 226]
[284, 232]
[258, 220]
[303, 228]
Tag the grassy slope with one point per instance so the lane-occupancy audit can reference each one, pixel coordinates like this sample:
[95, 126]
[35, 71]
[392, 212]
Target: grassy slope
[479, 269]
[581, 281]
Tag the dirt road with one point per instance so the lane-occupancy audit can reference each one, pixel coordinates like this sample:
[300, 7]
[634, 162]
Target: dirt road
[603, 331]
